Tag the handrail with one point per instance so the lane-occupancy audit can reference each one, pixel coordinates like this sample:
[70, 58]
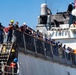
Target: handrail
[51, 49]
[5, 69]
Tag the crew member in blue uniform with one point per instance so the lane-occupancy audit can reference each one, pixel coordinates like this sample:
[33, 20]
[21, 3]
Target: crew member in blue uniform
[1, 34]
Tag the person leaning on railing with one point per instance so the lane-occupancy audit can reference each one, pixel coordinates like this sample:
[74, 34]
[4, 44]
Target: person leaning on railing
[23, 27]
[16, 26]
[73, 56]
[26, 29]
[53, 46]
[37, 34]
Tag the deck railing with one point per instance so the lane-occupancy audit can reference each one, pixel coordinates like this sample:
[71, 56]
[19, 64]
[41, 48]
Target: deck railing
[7, 70]
[31, 44]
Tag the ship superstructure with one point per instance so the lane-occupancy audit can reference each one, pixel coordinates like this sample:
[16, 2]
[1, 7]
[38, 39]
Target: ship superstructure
[57, 26]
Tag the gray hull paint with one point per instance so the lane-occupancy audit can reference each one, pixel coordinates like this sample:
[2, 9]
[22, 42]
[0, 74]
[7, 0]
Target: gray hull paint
[36, 66]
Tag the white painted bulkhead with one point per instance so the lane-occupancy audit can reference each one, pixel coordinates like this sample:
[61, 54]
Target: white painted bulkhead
[35, 66]
[65, 35]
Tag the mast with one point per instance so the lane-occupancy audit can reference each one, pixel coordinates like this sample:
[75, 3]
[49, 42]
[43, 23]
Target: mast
[46, 1]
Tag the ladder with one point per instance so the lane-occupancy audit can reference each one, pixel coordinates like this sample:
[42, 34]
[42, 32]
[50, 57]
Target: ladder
[5, 50]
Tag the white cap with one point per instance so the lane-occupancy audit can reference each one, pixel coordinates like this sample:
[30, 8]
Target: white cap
[43, 5]
[74, 12]
[24, 23]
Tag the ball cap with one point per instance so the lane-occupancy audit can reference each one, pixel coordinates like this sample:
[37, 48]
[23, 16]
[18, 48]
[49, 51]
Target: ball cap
[15, 59]
[12, 21]
[24, 23]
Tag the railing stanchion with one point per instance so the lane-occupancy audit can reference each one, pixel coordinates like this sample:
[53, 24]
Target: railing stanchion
[44, 50]
[24, 42]
[35, 46]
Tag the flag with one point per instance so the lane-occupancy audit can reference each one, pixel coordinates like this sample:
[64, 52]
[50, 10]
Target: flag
[75, 3]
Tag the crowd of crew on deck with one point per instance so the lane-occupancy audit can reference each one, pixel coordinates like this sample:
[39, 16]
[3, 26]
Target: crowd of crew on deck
[57, 46]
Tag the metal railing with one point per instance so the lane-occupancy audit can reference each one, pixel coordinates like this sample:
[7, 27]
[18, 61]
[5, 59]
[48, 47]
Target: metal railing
[37, 46]
[8, 70]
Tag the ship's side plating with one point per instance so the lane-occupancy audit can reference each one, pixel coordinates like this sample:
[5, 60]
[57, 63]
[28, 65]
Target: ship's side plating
[35, 66]
[35, 60]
